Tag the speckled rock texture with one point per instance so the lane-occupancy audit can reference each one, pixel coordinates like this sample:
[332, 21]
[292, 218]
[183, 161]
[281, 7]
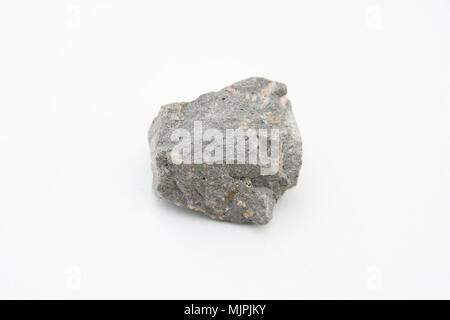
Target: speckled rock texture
[238, 193]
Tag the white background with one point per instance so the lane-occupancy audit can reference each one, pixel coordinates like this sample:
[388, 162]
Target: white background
[81, 81]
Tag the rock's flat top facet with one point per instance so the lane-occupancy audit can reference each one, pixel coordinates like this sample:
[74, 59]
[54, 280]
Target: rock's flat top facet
[240, 193]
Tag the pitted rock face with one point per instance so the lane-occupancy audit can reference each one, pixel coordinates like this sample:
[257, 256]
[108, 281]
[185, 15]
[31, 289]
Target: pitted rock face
[226, 191]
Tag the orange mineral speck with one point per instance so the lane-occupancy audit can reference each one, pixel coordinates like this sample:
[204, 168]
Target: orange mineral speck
[248, 213]
[230, 194]
[272, 118]
[231, 90]
[268, 90]
[243, 126]
[190, 206]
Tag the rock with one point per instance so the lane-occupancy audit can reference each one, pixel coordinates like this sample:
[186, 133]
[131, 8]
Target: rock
[229, 154]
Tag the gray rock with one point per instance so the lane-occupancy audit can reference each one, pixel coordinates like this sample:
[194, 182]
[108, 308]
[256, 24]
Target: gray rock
[226, 190]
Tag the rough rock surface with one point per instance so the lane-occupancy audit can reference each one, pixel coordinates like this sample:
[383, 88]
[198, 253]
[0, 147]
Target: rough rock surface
[229, 192]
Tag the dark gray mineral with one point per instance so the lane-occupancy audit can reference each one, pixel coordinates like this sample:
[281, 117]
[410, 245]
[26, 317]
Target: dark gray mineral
[229, 154]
